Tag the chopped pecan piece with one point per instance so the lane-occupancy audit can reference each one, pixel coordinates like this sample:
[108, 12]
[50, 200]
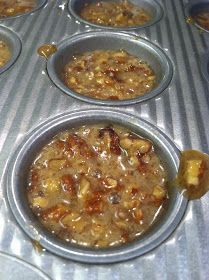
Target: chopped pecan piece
[115, 141]
[94, 205]
[55, 213]
[76, 141]
[67, 183]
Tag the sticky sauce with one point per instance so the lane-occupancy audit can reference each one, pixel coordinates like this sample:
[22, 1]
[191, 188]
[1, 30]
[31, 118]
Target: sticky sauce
[193, 174]
[46, 50]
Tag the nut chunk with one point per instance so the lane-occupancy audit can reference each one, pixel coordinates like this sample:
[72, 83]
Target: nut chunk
[51, 185]
[39, 202]
[68, 184]
[83, 188]
[55, 213]
[137, 148]
[141, 145]
[110, 183]
[159, 192]
[94, 205]
[192, 173]
[77, 143]
[114, 142]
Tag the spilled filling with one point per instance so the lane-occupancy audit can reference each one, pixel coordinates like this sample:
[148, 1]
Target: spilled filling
[193, 175]
[46, 50]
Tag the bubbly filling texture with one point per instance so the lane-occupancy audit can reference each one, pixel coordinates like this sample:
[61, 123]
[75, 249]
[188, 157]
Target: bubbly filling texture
[107, 74]
[97, 185]
[16, 7]
[5, 53]
[115, 13]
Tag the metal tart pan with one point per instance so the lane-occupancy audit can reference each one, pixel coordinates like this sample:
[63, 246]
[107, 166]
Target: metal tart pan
[153, 7]
[108, 40]
[21, 160]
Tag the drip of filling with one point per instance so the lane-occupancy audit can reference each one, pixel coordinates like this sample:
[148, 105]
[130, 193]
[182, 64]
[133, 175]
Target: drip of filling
[193, 174]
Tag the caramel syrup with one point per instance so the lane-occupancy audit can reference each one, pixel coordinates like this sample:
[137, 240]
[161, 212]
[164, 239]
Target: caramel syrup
[47, 50]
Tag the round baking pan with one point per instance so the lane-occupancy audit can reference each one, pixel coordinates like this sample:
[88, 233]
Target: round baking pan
[13, 42]
[109, 40]
[153, 7]
[21, 160]
[39, 5]
[193, 8]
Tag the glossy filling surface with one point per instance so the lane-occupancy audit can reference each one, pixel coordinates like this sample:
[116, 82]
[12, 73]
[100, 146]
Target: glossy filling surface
[202, 19]
[16, 7]
[5, 53]
[46, 50]
[115, 13]
[97, 185]
[105, 74]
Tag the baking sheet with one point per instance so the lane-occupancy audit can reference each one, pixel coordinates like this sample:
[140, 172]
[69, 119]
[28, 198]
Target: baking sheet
[28, 97]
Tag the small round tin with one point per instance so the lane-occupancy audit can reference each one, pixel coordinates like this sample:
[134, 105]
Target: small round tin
[13, 42]
[153, 8]
[17, 177]
[40, 4]
[195, 7]
[108, 40]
